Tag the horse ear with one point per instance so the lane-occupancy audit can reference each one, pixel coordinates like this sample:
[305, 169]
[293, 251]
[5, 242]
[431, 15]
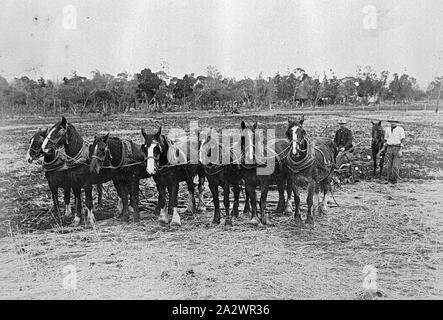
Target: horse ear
[45, 132]
[289, 120]
[158, 134]
[64, 122]
[143, 133]
[106, 137]
[302, 119]
[379, 122]
[255, 125]
[243, 125]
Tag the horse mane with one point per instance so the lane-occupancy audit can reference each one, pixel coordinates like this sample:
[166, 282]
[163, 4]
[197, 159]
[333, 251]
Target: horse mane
[74, 142]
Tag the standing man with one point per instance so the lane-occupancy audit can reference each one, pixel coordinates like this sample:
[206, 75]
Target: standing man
[394, 139]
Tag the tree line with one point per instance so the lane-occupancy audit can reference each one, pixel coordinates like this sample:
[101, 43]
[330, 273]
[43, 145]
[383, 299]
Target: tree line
[158, 91]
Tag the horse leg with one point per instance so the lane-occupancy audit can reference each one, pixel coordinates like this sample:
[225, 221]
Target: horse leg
[247, 207]
[78, 205]
[374, 158]
[89, 205]
[99, 195]
[288, 207]
[213, 186]
[316, 199]
[264, 187]
[236, 189]
[135, 190]
[228, 219]
[309, 200]
[201, 188]
[157, 206]
[325, 186]
[297, 218]
[122, 191]
[120, 200]
[191, 196]
[173, 193]
[250, 189]
[163, 217]
[281, 197]
[382, 162]
[54, 195]
[67, 198]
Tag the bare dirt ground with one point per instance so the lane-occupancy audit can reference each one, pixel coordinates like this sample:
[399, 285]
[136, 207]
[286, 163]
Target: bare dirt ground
[398, 229]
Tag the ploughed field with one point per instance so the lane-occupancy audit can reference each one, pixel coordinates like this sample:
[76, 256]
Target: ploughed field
[397, 229]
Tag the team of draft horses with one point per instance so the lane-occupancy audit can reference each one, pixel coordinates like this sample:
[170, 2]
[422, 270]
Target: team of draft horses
[72, 164]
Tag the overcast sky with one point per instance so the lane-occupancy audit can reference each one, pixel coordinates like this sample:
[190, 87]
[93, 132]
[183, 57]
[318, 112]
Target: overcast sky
[240, 37]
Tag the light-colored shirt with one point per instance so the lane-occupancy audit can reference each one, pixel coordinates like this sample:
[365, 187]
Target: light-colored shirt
[394, 137]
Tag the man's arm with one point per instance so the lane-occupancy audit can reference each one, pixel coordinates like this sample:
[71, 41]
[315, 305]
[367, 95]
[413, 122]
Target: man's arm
[348, 144]
[336, 139]
[402, 137]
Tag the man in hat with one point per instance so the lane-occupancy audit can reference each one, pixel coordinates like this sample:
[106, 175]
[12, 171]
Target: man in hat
[343, 142]
[394, 139]
[343, 137]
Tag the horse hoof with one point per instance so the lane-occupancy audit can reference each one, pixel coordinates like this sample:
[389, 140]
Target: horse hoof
[163, 220]
[267, 222]
[310, 221]
[76, 222]
[136, 218]
[299, 222]
[216, 221]
[288, 210]
[323, 210]
[228, 223]
[254, 221]
[176, 223]
[279, 210]
[68, 212]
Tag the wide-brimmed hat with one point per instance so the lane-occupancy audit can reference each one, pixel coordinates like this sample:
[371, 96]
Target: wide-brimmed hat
[393, 120]
[342, 121]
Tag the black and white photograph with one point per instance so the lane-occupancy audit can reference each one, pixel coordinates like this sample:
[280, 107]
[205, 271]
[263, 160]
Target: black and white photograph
[247, 151]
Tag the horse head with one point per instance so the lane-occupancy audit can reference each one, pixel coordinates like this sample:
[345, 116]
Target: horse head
[35, 145]
[209, 147]
[297, 135]
[100, 150]
[247, 141]
[57, 136]
[377, 132]
[154, 147]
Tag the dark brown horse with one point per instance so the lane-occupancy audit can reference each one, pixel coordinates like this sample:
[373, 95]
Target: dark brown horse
[221, 168]
[260, 169]
[312, 163]
[378, 139]
[169, 164]
[56, 171]
[56, 179]
[121, 161]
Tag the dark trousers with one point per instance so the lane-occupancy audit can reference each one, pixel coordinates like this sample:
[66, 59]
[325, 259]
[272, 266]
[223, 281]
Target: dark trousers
[393, 161]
